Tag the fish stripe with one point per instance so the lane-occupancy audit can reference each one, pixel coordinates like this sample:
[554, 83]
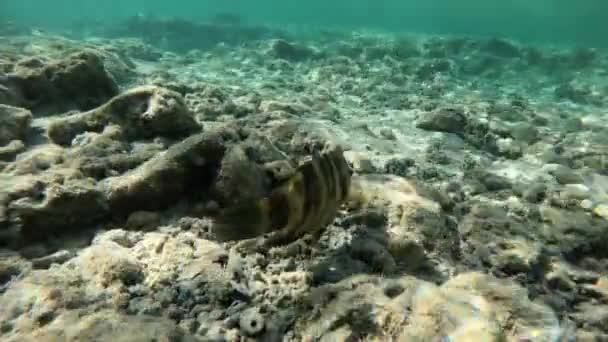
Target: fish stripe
[330, 176]
[296, 194]
[280, 209]
[332, 190]
[323, 188]
[301, 200]
[313, 199]
[328, 186]
[345, 175]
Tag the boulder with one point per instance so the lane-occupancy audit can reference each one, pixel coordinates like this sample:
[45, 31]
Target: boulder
[14, 123]
[142, 113]
[78, 81]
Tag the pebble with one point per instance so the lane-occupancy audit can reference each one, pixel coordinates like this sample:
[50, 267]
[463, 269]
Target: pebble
[398, 166]
[601, 210]
[524, 132]
[565, 175]
[362, 164]
[10, 151]
[576, 191]
[388, 133]
[535, 193]
[586, 204]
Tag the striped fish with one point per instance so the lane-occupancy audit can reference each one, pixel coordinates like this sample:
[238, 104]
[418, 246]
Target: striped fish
[305, 202]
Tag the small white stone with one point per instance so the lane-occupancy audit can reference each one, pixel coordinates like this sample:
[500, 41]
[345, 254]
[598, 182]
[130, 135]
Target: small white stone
[601, 210]
[586, 204]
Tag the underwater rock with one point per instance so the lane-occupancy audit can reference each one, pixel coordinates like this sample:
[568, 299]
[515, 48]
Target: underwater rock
[105, 325]
[107, 263]
[291, 108]
[104, 155]
[492, 182]
[438, 47]
[429, 69]
[212, 102]
[11, 150]
[534, 193]
[14, 124]
[8, 96]
[581, 57]
[79, 81]
[493, 238]
[489, 66]
[110, 325]
[361, 163]
[143, 220]
[508, 148]
[450, 120]
[404, 48]
[399, 166]
[290, 51]
[59, 257]
[57, 208]
[365, 306]
[239, 179]
[524, 132]
[44, 300]
[38, 160]
[574, 232]
[291, 136]
[579, 93]
[416, 225]
[186, 169]
[40, 299]
[12, 267]
[118, 64]
[501, 48]
[563, 174]
[142, 113]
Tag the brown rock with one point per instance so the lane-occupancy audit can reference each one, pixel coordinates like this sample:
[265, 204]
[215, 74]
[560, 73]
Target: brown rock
[78, 81]
[14, 123]
[185, 169]
[142, 112]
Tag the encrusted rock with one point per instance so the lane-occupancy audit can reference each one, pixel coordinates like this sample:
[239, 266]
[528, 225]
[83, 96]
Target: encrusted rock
[186, 169]
[143, 112]
[11, 150]
[239, 178]
[58, 257]
[78, 81]
[448, 120]
[470, 306]
[57, 207]
[14, 124]
[107, 263]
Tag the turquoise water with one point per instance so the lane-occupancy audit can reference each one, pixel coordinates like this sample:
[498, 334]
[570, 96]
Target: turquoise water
[556, 21]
